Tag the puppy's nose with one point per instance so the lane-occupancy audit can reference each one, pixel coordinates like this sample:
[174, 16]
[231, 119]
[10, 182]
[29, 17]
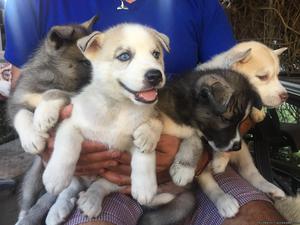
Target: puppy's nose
[236, 146]
[154, 77]
[284, 96]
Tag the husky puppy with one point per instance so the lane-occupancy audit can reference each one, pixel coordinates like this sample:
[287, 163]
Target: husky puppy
[210, 104]
[260, 65]
[56, 70]
[116, 108]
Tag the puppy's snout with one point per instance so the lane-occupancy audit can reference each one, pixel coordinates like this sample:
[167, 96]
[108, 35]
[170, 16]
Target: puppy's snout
[284, 96]
[236, 146]
[153, 77]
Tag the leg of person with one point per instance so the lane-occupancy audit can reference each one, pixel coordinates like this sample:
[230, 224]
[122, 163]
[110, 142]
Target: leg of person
[251, 201]
[117, 209]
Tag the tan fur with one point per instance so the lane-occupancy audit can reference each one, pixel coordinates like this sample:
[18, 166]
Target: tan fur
[290, 208]
[32, 99]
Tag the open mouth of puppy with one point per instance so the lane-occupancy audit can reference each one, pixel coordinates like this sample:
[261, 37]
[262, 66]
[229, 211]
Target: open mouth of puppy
[147, 96]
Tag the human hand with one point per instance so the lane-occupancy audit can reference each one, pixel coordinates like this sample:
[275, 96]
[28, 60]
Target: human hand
[120, 174]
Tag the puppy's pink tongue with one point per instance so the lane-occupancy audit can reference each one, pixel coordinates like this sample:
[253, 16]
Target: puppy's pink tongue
[147, 95]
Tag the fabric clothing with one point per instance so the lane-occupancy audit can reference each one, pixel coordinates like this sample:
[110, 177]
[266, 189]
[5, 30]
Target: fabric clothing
[198, 29]
[120, 209]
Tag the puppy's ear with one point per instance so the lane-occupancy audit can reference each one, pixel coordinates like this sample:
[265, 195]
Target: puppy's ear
[216, 95]
[58, 35]
[240, 56]
[163, 39]
[89, 23]
[90, 44]
[280, 51]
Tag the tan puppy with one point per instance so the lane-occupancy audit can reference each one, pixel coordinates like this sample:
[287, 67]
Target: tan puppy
[260, 65]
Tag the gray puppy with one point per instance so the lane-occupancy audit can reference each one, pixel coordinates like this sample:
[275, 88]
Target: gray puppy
[56, 71]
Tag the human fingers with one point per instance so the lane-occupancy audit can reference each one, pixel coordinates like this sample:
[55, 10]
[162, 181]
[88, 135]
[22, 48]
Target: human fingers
[121, 169]
[97, 157]
[92, 146]
[95, 168]
[116, 178]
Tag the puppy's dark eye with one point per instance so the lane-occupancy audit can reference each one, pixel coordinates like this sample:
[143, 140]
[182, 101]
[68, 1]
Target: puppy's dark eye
[156, 54]
[85, 62]
[224, 119]
[125, 56]
[263, 77]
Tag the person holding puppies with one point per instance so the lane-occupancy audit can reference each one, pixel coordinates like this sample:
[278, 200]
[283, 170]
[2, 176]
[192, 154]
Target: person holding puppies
[198, 30]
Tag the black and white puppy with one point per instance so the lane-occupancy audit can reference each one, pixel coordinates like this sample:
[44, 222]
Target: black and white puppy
[208, 104]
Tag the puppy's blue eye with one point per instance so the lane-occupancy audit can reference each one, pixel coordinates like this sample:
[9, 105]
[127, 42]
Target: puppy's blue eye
[156, 54]
[125, 56]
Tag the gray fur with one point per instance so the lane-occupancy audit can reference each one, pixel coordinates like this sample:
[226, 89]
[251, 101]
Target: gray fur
[32, 184]
[57, 70]
[36, 214]
[53, 66]
[172, 213]
[185, 101]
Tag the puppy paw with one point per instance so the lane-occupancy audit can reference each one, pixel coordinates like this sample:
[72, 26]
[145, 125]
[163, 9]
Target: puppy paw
[60, 211]
[181, 174]
[46, 116]
[218, 166]
[227, 206]
[56, 179]
[33, 142]
[90, 203]
[272, 190]
[143, 189]
[145, 139]
[257, 115]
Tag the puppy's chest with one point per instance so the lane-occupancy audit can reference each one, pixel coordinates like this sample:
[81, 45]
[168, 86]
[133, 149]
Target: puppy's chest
[112, 126]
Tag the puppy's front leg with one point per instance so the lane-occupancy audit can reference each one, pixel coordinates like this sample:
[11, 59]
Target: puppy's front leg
[147, 135]
[143, 176]
[220, 161]
[60, 169]
[243, 160]
[226, 204]
[32, 140]
[47, 112]
[183, 168]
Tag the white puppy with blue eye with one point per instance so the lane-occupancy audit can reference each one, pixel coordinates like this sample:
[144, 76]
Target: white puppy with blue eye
[117, 109]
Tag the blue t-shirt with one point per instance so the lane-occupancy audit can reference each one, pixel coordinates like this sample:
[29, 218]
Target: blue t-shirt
[198, 29]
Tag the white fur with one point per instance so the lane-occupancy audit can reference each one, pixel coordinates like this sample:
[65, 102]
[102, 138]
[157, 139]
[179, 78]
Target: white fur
[226, 204]
[32, 140]
[106, 112]
[46, 114]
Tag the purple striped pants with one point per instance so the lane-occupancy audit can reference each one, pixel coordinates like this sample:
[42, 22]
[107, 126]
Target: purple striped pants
[120, 209]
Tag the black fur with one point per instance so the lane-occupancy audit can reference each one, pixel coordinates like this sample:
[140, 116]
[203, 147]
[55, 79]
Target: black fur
[213, 101]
